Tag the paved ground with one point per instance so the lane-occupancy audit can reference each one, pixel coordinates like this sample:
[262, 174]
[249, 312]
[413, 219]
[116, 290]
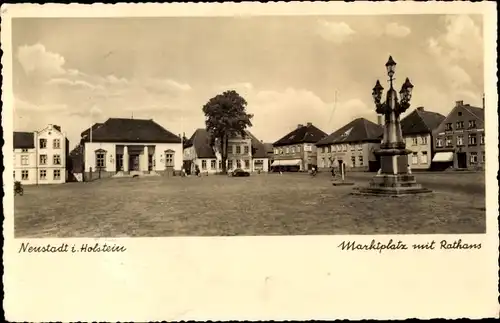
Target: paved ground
[291, 204]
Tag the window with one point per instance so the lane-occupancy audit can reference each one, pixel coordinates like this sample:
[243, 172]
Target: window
[448, 127]
[481, 139]
[423, 140]
[360, 159]
[439, 142]
[473, 158]
[484, 156]
[460, 124]
[43, 159]
[14, 174]
[204, 165]
[293, 150]
[353, 147]
[414, 158]
[57, 174]
[449, 141]
[213, 164]
[24, 150]
[298, 149]
[353, 161]
[472, 139]
[238, 149]
[169, 159]
[360, 147]
[238, 163]
[459, 113]
[259, 164]
[472, 123]
[43, 174]
[220, 164]
[276, 151]
[229, 164]
[247, 150]
[287, 150]
[423, 158]
[460, 140]
[24, 175]
[43, 143]
[57, 160]
[230, 149]
[414, 141]
[281, 151]
[25, 160]
[322, 149]
[329, 149]
[100, 160]
[56, 143]
[247, 164]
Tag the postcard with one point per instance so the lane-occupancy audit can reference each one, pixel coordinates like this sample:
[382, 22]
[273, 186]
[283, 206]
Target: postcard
[250, 161]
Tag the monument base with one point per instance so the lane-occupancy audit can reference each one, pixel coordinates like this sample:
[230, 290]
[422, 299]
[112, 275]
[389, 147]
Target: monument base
[392, 185]
[341, 183]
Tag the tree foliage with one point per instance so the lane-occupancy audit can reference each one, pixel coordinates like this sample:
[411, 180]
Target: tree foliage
[225, 117]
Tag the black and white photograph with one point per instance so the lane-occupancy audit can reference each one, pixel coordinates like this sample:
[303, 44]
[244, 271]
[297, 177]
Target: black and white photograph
[228, 126]
[250, 161]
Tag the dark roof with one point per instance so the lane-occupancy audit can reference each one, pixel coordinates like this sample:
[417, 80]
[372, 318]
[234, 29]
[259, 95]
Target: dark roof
[421, 121]
[24, 140]
[87, 132]
[201, 142]
[358, 130]
[130, 130]
[258, 148]
[269, 147]
[304, 134]
[478, 112]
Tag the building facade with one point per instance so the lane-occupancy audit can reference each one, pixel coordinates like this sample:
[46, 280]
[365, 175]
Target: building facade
[352, 145]
[417, 129]
[296, 151]
[246, 153]
[459, 139]
[40, 157]
[127, 147]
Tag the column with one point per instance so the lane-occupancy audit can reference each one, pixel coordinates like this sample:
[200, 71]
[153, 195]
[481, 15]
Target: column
[145, 159]
[125, 159]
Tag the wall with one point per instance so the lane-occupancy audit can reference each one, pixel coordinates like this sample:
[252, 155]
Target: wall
[345, 152]
[459, 113]
[297, 151]
[110, 148]
[423, 145]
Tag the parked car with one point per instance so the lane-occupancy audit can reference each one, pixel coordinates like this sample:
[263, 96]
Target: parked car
[239, 173]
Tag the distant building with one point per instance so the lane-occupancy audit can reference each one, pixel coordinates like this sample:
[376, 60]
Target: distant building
[296, 151]
[130, 147]
[40, 157]
[417, 128]
[352, 145]
[247, 153]
[459, 139]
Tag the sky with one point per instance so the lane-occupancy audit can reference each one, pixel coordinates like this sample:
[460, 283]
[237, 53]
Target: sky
[291, 70]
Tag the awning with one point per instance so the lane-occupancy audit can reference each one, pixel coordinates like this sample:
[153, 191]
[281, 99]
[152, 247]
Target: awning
[286, 162]
[443, 157]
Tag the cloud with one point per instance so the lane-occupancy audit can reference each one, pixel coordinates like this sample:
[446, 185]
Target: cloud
[397, 30]
[336, 32]
[27, 107]
[74, 83]
[36, 59]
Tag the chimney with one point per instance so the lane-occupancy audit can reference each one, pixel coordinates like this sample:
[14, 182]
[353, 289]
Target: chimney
[309, 124]
[420, 108]
[459, 103]
[380, 120]
[50, 127]
[299, 126]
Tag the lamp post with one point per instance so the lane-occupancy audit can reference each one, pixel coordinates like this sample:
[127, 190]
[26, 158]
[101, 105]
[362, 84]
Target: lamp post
[394, 177]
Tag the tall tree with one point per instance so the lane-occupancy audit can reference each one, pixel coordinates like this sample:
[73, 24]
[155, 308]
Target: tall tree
[226, 116]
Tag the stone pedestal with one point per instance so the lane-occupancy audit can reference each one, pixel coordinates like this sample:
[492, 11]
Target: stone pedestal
[393, 178]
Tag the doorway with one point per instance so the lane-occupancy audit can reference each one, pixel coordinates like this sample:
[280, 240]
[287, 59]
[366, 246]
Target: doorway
[119, 162]
[134, 162]
[462, 160]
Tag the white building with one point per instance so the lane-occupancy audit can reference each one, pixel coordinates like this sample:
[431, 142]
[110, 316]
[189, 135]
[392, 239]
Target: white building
[246, 153]
[121, 147]
[40, 156]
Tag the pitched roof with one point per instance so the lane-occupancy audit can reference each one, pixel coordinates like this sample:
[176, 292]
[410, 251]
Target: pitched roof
[86, 132]
[24, 140]
[269, 147]
[421, 121]
[201, 142]
[131, 130]
[358, 130]
[258, 148]
[478, 112]
[303, 134]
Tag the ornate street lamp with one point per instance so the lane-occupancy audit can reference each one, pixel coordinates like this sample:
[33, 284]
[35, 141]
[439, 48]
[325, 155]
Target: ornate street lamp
[394, 176]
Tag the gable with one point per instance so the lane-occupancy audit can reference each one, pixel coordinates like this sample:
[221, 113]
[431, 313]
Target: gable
[453, 117]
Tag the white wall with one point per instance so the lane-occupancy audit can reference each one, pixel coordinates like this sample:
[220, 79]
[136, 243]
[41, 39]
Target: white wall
[419, 149]
[91, 147]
